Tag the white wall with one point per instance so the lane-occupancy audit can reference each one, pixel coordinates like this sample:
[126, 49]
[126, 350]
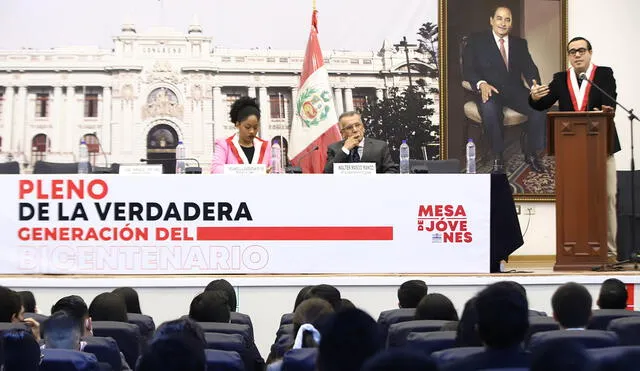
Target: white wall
[612, 29]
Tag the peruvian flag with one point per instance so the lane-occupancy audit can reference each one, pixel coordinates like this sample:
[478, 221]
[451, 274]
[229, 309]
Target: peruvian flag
[315, 123]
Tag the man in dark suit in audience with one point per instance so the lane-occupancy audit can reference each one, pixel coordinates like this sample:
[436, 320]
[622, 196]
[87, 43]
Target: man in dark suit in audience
[354, 147]
[571, 305]
[411, 292]
[573, 94]
[503, 321]
[495, 63]
[613, 295]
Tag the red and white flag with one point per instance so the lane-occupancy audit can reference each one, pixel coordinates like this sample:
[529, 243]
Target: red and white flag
[315, 123]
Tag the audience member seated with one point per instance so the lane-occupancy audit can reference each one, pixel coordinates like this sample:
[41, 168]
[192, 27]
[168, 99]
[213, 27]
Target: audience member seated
[561, 357]
[328, 293]
[130, 298]
[399, 359]
[532, 313]
[30, 308]
[62, 331]
[409, 295]
[436, 307]
[503, 320]
[12, 311]
[346, 304]
[466, 333]
[571, 305]
[21, 350]
[613, 295]
[108, 307]
[210, 306]
[226, 287]
[349, 338]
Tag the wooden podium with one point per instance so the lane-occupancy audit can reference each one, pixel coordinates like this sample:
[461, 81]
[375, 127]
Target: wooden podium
[581, 142]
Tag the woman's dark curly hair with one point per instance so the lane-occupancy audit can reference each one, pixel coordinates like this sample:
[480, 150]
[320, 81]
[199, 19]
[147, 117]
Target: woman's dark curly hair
[243, 108]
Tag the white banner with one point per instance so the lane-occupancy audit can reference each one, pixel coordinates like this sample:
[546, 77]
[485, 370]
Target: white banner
[116, 224]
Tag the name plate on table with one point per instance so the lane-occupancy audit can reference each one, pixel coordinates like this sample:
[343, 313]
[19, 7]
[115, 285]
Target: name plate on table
[242, 169]
[141, 169]
[354, 168]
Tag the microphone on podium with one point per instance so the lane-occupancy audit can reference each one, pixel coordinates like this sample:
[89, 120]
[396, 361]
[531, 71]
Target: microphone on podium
[187, 170]
[298, 169]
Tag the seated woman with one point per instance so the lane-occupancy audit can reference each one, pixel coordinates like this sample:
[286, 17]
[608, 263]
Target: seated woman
[244, 147]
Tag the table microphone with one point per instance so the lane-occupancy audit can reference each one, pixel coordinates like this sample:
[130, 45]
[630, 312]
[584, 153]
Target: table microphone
[298, 169]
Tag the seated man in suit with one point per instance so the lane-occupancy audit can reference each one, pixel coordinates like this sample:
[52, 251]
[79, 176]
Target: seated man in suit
[354, 147]
[411, 292]
[503, 321]
[613, 295]
[495, 63]
[571, 305]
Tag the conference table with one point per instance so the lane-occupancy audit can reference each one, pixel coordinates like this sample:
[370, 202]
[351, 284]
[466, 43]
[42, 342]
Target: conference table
[260, 224]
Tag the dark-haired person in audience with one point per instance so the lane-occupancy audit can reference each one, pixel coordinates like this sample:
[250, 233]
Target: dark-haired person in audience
[346, 304]
[571, 305]
[210, 306]
[561, 356]
[436, 307]
[349, 338]
[613, 295]
[399, 360]
[328, 293]
[130, 298]
[302, 295]
[176, 346]
[28, 301]
[524, 291]
[108, 307]
[503, 321]
[244, 147]
[466, 332]
[75, 307]
[309, 315]
[226, 287]
[411, 292]
[62, 331]
[12, 311]
[21, 350]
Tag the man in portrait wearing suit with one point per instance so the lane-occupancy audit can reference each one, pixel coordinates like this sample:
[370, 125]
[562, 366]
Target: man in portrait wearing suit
[354, 147]
[497, 64]
[574, 94]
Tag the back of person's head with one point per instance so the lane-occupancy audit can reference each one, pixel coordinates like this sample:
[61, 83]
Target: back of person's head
[411, 292]
[302, 295]
[181, 327]
[503, 315]
[346, 304]
[561, 356]
[328, 293]
[210, 306]
[436, 307]
[613, 295]
[310, 311]
[173, 353]
[224, 285]
[28, 301]
[130, 297]
[76, 307]
[349, 338]
[62, 331]
[396, 359]
[10, 305]
[21, 350]
[571, 305]
[467, 334]
[108, 307]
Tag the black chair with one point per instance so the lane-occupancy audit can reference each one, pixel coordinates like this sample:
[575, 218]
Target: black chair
[126, 335]
[229, 342]
[398, 332]
[430, 342]
[540, 324]
[222, 360]
[4, 326]
[536, 313]
[303, 359]
[250, 354]
[40, 318]
[450, 166]
[600, 318]
[628, 330]
[242, 319]
[105, 349]
[145, 324]
[393, 316]
[446, 356]
[588, 339]
[283, 330]
[282, 344]
[44, 167]
[68, 360]
[286, 319]
[616, 358]
[12, 167]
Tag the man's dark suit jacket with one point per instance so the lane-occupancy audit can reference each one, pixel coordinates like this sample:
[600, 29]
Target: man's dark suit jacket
[482, 61]
[514, 357]
[374, 151]
[559, 91]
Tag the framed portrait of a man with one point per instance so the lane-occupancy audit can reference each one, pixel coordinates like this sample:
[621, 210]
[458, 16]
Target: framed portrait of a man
[491, 52]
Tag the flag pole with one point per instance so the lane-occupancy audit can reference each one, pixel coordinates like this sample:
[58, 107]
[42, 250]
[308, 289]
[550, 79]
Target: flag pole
[314, 4]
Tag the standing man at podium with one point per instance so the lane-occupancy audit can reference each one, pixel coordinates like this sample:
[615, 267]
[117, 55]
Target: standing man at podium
[574, 94]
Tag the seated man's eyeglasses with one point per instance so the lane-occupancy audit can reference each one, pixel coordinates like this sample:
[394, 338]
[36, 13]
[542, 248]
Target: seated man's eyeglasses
[355, 126]
[580, 51]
